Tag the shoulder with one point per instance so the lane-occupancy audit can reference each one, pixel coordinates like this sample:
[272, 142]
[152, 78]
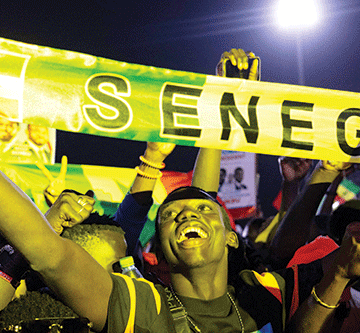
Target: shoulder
[136, 296]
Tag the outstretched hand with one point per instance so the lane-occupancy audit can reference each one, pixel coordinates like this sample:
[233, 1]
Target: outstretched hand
[336, 166]
[158, 151]
[58, 184]
[294, 169]
[240, 59]
[69, 209]
[348, 260]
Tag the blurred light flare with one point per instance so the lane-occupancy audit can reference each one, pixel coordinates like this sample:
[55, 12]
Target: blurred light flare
[295, 14]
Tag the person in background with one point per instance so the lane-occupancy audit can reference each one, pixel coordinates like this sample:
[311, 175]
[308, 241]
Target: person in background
[98, 235]
[8, 131]
[131, 215]
[238, 178]
[69, 210]
[38, 142]
[295, 228]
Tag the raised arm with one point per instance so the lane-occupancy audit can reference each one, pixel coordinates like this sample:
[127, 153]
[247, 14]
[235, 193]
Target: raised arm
[132, 212]
[341, 266]
[67, 269]
[207, 166]
[294, 229]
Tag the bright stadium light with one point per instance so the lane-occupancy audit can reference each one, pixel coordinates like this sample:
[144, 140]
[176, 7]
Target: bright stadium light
[296, 13]
[294, 16]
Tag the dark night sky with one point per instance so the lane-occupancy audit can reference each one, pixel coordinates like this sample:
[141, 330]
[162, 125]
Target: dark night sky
[188, 35]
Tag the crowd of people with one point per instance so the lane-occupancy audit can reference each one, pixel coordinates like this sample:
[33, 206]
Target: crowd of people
[295, 272]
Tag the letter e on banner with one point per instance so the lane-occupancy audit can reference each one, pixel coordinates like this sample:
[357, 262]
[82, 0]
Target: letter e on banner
[179, 111]
[288, 123]
[110, 113]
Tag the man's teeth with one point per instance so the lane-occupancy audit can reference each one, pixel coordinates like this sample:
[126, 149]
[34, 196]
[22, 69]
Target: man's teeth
[200, 233]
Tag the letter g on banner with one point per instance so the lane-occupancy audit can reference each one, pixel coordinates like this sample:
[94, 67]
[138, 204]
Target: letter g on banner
[341, 121]
[110, 113]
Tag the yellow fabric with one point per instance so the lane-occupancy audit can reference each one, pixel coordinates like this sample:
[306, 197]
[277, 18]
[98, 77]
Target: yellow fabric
[267, 280]
[156, 295]
[266, 235]
[131, 322]
[132, 292]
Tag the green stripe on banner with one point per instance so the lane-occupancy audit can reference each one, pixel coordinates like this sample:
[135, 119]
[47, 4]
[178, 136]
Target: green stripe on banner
[82, 93]
[109, 184]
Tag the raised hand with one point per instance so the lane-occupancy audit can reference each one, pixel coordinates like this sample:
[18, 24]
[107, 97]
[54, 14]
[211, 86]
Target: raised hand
[58, 184]
[348, 260]
[294, 169]
[240, 59]
[158, 151]
[336, 166]
[69, 209]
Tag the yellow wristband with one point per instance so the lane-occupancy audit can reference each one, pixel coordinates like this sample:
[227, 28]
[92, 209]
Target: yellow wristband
[147, 175]
[318, 300]
[151, 164]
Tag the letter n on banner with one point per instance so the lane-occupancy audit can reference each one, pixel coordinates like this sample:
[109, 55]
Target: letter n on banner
[227, 106]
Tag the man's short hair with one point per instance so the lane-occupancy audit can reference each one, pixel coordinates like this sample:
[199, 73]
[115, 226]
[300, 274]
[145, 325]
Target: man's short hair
[82, 234]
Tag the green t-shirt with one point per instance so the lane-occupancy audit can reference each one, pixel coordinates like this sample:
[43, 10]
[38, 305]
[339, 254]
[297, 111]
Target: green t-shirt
[264, 301]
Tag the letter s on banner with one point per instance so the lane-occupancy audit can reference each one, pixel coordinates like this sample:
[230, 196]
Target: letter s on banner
[110, 113]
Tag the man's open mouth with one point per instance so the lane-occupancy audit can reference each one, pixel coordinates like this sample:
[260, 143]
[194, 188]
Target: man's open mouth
[191, 233]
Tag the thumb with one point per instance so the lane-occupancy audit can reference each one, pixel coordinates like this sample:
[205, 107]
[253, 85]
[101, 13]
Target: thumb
[90, 193]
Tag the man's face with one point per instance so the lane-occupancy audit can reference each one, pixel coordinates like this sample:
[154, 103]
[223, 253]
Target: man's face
[239, 175]
[38, 134]
[192, 233]
[108, 249]
[8, 129]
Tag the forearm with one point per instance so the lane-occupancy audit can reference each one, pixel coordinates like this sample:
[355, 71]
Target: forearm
[131, 216]
[289, 193]
[79, 281]
[7, 292]
[207, 169]
[294, 229]
[148, 171]
[22, 223]
[313, 317]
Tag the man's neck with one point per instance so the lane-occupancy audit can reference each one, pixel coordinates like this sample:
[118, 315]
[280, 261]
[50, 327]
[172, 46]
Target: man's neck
[204, 283]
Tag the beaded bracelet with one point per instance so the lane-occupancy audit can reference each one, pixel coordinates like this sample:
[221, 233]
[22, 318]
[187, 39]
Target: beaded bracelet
[151, 164]
[318, 300]
[146, 175]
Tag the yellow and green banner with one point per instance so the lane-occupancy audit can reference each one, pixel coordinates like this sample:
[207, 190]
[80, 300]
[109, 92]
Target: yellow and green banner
[83, 93]
[109, 184]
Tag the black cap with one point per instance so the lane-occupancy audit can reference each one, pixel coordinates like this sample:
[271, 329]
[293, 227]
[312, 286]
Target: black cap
[189, 192]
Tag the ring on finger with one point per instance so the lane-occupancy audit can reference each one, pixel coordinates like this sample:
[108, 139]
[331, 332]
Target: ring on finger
[82, 201]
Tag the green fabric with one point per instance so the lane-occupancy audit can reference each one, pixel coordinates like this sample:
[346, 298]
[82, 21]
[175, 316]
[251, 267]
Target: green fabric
[257, 306]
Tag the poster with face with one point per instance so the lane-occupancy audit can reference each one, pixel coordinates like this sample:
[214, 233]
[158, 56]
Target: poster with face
[237, 186]
[25, 143]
